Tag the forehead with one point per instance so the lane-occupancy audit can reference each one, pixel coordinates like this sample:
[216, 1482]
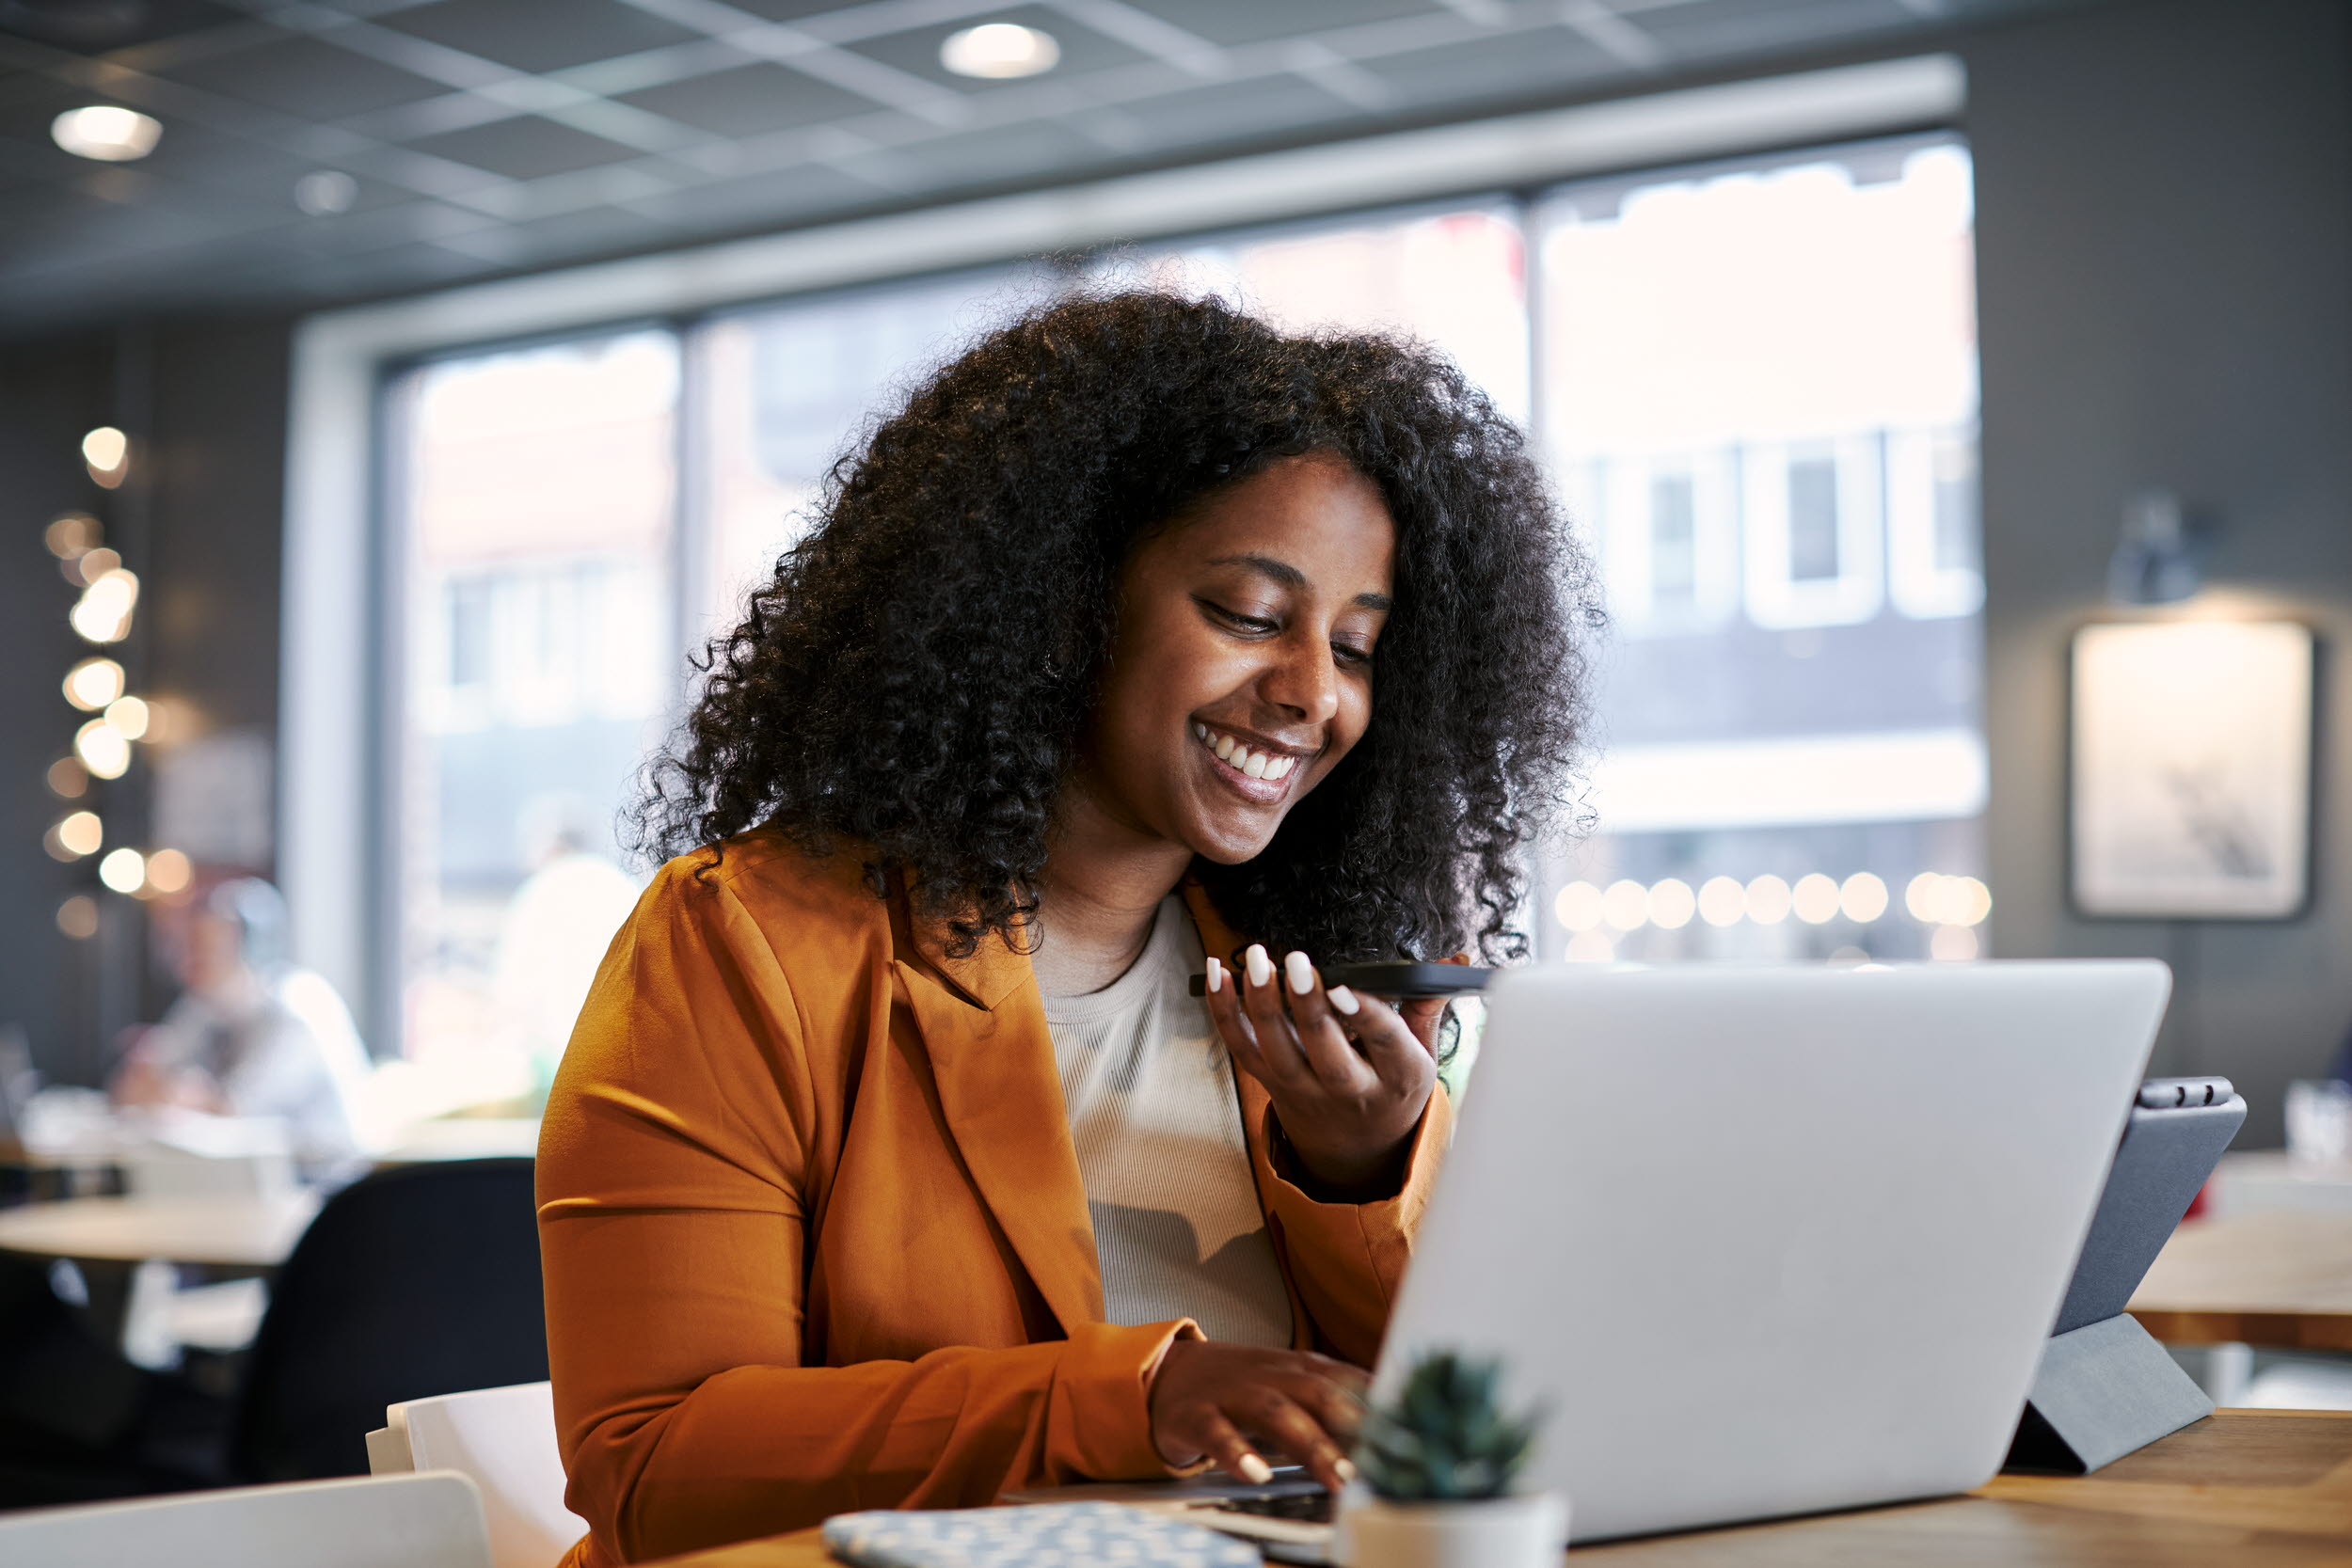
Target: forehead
[1314, 513]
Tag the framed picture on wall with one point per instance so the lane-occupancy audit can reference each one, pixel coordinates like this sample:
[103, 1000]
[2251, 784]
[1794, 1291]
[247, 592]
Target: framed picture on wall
[2191, 769]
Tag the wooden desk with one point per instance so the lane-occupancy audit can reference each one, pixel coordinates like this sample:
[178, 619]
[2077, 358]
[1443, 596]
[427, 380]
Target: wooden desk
[227, 1232]
[2279, 1278]
[2242, 1489]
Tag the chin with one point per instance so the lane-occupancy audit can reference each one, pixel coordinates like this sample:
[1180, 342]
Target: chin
[1230, 845]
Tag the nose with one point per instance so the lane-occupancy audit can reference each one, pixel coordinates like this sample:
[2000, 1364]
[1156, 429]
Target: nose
[1301, 680]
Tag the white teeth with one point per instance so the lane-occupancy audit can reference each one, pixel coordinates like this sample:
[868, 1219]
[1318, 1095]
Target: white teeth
[1255, 767]
[1280, 768]
[1227, 746]
[1200, 731]
[1270, 765]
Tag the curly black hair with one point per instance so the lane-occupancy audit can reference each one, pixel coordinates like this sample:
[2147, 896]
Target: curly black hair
[912, 683]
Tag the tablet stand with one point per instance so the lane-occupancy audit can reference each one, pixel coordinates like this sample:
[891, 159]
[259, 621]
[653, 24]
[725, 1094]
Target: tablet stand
[2103, 1390]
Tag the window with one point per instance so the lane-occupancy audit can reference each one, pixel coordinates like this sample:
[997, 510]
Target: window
[1756, 387]
[1795, 763]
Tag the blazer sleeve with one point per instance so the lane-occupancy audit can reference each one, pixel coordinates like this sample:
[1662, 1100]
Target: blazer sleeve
[1346, 1260]
[672, 1230]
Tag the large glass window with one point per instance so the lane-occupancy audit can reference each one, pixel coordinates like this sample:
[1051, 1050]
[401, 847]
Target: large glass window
[1759, 390]
[1755, 386]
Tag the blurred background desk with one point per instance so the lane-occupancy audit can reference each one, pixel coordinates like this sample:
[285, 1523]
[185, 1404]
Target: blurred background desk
[2248, 1488]
[2277, 1277]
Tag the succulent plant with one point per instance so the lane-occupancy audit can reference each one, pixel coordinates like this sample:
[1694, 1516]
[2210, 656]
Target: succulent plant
[1444, 1437]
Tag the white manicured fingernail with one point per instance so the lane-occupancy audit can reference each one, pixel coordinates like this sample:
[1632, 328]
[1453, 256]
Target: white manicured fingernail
[1217, 977]
[1344, 1468]
[1344, 999]
[1301, 973]
[1256, 1471]
[1260, 967]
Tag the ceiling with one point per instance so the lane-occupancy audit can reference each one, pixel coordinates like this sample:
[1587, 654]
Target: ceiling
[482, 137]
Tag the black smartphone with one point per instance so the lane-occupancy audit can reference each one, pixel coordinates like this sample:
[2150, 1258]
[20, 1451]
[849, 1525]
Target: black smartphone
[1402, 981]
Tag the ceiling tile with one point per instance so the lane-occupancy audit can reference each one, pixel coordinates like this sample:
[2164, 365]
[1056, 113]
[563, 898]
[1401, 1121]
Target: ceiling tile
[1506, 65]
[748, 100]
[738, 206]
[307, 77]
[1238, 21]
[97, 26]
[538, 35]
[983, 158]
[526, 147]
[1699, 29]
[1232, 111]
[789, 10]
[916, 51]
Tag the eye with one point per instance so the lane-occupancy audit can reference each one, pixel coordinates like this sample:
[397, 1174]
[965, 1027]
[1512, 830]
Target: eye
[1349, 654]
[1254, 624]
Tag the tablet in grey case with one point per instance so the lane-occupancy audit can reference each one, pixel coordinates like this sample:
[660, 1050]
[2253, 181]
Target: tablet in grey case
[2105, 1388]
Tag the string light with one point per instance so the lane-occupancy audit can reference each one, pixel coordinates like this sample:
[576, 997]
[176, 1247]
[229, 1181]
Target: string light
[68, 777]
[103, 749]
[106, 453]
[93, 683]
[1723, 901]
[1579, 906]
[167, 871]
[123, 870]
[77, 917]
[1672, 904]
[82, 833]
[72, 535]
[1625, 905]
[1863, 898]
[129, 716]
[1767, 901]
[103, 615]
[1814, 899]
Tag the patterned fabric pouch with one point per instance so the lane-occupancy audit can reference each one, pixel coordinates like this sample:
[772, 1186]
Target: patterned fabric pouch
[1044, 1535]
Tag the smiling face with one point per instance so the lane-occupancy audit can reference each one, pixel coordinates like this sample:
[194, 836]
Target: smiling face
[1243, 665]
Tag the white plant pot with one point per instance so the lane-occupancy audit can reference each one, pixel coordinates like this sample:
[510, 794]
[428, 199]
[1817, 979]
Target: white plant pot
[1526, 1532]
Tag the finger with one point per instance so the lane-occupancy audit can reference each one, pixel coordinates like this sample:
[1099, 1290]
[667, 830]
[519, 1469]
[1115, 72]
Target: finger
[1322, 1038]
[1233, 1453]
[1423, 1015]
[1233, 1025]
[1269, 1021]
[1390, 1046]
[1286, 1426]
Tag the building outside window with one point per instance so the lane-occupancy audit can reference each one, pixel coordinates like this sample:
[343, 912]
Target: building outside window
[1754, 386]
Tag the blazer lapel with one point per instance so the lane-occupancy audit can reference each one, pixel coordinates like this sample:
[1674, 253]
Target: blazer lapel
[983, 1027]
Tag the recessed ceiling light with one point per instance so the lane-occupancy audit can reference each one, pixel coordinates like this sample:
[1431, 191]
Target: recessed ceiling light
[325, 192]
[105, 132]
[1000, 49]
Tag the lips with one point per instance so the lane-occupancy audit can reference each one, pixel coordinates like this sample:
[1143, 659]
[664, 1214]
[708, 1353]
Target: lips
[1259, 764]
[1258, 773]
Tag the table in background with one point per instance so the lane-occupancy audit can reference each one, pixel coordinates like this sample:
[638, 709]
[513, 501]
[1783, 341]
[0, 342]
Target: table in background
[2279, 1278]
[108, 1238]
[2244, 1488]
[2265, 1178]
[464, 1138]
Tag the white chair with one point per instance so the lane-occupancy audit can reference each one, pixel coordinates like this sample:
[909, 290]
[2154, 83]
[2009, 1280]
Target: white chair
[419, 1521]
[504, 1439]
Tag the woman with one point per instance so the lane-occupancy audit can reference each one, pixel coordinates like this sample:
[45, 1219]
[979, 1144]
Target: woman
[892, 1160]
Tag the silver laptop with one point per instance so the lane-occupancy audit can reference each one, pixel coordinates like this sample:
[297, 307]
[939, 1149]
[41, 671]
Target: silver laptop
[1764, 1241]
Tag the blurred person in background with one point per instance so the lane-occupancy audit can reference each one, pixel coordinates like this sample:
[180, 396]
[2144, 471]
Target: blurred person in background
[556, 928]
[252, 1033]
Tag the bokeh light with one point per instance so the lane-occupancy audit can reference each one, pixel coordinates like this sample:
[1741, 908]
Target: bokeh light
[1863, 898]
[123, 870]
[102, 750]
[1592, 947]
[68, 779]
[129, 716]
[77, 917]
[1767, 901]
[106, 451]
[1952, 944]
[169, 871]
[1671, 903]
[1625, 905]
[1578, 904]
[1723, 901]
[999, 50]
[103, 615]
[93, 683]
[72, 535]
[82, 833]
[1814, 899]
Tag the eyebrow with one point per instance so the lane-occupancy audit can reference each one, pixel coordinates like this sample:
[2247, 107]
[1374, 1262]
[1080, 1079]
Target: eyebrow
[1291, 577]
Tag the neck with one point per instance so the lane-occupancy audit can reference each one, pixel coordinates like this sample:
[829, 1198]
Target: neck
[1103, 881]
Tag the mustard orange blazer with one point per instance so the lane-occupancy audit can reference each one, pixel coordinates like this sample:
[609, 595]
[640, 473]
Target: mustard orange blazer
[814, 1233]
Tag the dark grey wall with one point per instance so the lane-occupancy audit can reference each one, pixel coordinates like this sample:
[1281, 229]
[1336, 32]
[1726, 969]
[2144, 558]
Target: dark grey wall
[2164, 243]
[200, 522]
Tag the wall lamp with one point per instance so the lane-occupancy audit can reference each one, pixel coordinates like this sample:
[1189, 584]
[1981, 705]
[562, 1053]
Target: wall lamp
[2160, 553]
